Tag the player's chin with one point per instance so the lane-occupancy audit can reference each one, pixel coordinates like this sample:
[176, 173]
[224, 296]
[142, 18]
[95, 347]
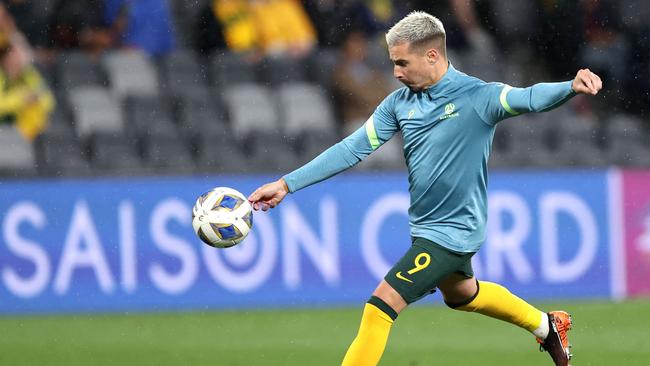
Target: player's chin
[406, 83]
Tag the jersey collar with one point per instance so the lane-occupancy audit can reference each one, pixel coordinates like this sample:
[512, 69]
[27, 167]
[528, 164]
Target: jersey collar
[443, 83]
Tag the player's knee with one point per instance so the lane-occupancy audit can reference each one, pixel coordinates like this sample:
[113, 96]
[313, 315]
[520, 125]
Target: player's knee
[467, 304]
[383, 306]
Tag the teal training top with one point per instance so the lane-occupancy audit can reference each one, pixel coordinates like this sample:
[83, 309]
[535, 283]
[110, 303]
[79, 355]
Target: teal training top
[447, 131]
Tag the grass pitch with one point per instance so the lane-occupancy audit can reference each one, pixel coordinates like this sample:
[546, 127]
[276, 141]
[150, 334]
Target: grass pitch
[604, 334]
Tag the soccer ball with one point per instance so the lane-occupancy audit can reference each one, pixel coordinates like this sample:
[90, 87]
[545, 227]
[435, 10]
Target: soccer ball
[222, 217]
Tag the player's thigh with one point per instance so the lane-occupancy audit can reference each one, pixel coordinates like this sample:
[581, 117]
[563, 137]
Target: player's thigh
[423, 267]
[390, 296]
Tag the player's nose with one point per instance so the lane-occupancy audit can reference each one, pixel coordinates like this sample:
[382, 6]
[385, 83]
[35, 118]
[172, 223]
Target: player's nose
[398, 73]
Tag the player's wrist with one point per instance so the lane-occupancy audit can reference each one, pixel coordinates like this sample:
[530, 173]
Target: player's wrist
[284, 185]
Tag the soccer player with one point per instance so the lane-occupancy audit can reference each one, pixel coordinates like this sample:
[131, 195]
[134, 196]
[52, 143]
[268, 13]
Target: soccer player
[447, 120]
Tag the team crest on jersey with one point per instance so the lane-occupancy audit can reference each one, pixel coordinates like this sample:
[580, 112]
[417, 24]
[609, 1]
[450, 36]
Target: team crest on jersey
[449, 112]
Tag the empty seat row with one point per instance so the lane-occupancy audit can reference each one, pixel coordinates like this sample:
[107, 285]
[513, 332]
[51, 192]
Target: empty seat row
[106, 153]
[124, 72]
[560, 139]
[245, 108]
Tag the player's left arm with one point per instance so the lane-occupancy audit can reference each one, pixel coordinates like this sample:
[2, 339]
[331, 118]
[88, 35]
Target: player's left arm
[546, 96]
[496, 101]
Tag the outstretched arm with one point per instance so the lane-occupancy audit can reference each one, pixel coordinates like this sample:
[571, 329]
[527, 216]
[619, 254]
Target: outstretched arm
[378, 129]
[331, 162]
[495, 102]
[545, 96]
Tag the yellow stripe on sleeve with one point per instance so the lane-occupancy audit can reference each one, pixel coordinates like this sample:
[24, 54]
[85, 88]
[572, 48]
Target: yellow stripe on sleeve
[372, 134]
[504, 100]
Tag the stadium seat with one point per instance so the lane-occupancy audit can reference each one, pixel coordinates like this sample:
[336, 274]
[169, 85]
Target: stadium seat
[131, 73]
[149, 116]
[167, 155]
[628, 141]
[251, 108]
[114, 154]
[310, 144]
[48, 72]
[194, 94]
[229, 68]
[76, 68]
[577, 143]
[182, 61]
[16, 153]
[201, 117]
[321, 64]
[180, 72]
[60, 122]
[527, 142]
[61, 156]
[304, 107]
[222, 153]
[95, 109]
[271, 151]
[275, 71]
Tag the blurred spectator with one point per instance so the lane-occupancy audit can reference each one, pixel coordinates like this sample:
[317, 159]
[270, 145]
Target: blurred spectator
[334, 19]
[466, 16]
[560, 36]
[31, 20]
[10, 32]
[25, 99]
[283, 28]
[636, 20]
[81, 24]
[208, 34]
[605, 48]
[465, 21]
[142, 24]
[359, 87]
[265, 27]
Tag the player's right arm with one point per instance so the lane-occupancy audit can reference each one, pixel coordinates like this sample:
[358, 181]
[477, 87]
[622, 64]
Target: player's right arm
[378, 129]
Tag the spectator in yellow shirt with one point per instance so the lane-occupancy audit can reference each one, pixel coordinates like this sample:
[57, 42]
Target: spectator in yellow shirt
[266, 27]
[25, 99]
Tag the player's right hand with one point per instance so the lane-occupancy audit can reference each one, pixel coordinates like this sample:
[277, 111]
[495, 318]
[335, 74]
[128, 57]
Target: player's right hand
[269, 195]
[586, 82]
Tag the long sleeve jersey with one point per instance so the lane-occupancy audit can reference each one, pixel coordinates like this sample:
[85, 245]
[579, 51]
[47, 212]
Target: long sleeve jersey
[447, 130]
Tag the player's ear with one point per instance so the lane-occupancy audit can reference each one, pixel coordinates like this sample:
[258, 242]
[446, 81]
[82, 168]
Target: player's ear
[432, 56]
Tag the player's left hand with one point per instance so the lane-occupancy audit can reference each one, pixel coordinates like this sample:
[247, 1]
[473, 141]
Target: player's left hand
[586, 82]
[269, 195]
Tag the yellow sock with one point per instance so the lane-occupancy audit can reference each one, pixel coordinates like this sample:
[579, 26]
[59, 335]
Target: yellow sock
[497, 302]
[368, 346]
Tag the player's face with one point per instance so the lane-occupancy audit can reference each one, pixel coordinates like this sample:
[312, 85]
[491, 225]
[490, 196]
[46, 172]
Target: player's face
[412, 66]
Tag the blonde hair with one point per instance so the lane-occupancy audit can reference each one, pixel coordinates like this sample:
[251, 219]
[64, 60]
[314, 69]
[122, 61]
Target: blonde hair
[418, 29]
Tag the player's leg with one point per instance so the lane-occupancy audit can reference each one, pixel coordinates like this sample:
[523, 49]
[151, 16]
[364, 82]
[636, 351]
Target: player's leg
[462, 292]
[378, 316]
[414, 276]
[493, 300]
